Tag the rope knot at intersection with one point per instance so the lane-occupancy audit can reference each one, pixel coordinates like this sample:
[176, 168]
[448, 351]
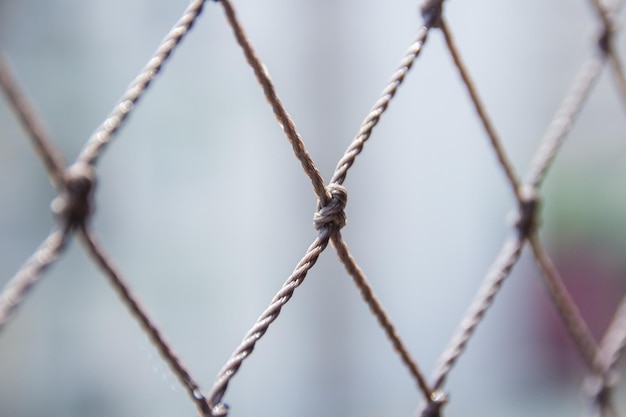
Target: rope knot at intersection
[431, 12]
[74, 203]
[609, 29]
[605, 40]
[600, 388]
[526, 218]
[332, 213]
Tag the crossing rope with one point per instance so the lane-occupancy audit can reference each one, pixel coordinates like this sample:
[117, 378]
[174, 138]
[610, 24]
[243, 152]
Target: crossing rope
[76, 185]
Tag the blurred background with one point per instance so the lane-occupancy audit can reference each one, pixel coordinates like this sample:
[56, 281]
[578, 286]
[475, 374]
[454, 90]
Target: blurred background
[204, 208]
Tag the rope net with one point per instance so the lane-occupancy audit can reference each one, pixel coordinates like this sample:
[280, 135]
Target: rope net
[75, 183]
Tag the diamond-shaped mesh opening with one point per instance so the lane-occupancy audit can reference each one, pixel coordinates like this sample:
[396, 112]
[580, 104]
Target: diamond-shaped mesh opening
[205, 282]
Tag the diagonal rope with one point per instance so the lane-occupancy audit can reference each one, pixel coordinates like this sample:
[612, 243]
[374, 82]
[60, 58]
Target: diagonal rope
[380, 106]
[31, 122]
[574, 323]
[325, 195]
[506, 259]
[28, 275]
[496, 142]
[264, 321]
[564, 119]
[608, 353]
[511, 250]
[74, 185]
[148, 325]
[556, 134]
[283, 118]
[15, 290]
[102, 136]
[431, 12]
[600, 385]
[613, 343]
[379, 311]
[567, 308]
[73, 204]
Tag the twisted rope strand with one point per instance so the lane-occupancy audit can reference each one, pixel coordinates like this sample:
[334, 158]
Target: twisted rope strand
[148, 325]
[554, 137]
[286, 292]
[501, 269]
[431, 11]
[371, 120]
[16, 289]
[330, 216]
[49, 251]
[564, 119]
[102, 136]
[282, 116]
[38, 134]
[379, 312]
[265, 320]
[564, 303]
[511, 250]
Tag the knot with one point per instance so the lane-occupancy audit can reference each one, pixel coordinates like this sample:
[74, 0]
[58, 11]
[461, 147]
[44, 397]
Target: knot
[73, 204]
[431, 12]
[605, 40]
[600, 388]
[525, 220]
[332, 212]
[433, 408]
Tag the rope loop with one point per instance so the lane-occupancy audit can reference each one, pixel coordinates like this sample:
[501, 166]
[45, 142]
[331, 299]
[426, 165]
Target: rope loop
[74, 204]
[333, 212]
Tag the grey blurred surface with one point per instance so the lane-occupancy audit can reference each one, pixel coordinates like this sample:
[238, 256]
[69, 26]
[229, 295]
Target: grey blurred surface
[206, 211]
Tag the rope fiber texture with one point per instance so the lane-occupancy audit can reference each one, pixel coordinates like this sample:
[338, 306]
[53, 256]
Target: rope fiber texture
[76, 185]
